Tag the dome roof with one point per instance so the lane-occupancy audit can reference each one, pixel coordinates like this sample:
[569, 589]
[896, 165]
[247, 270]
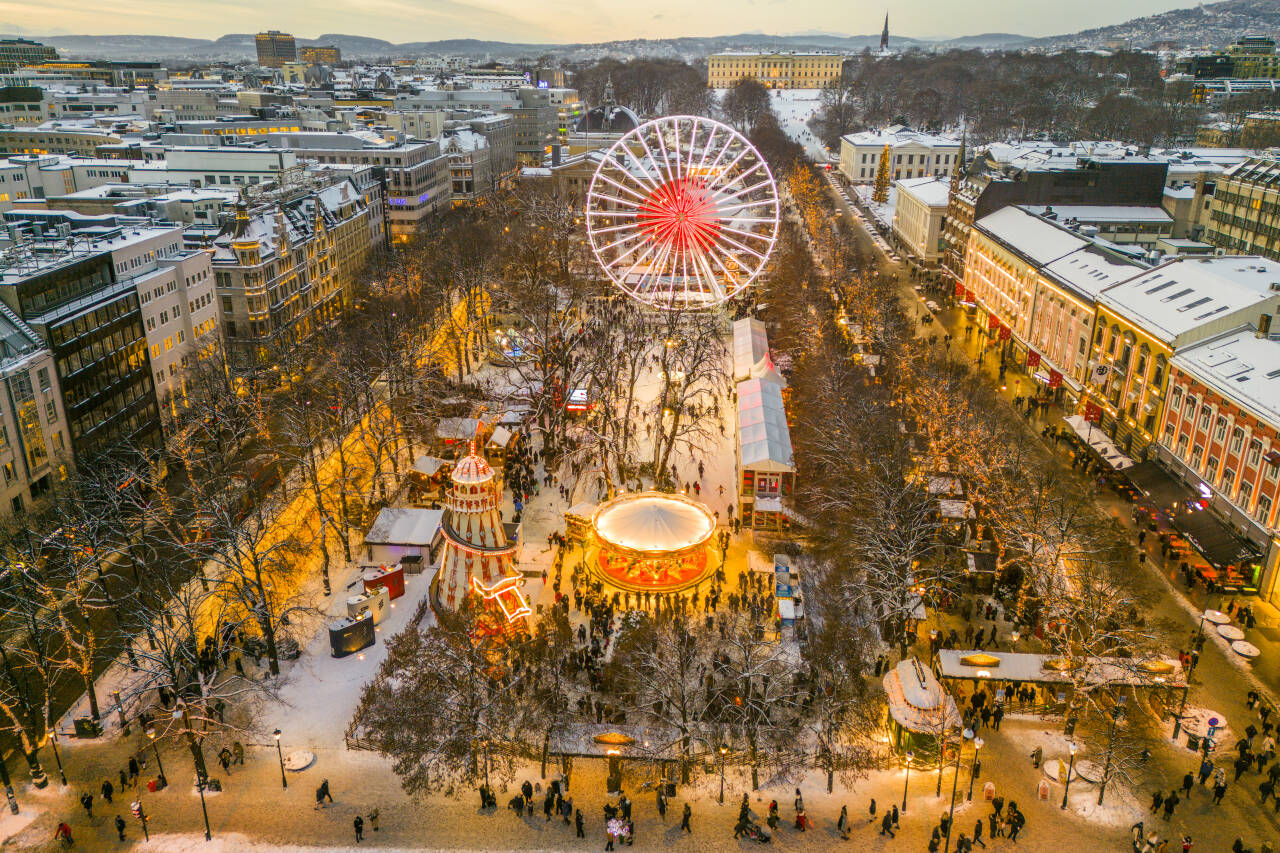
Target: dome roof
[653, 521]
[472, 468]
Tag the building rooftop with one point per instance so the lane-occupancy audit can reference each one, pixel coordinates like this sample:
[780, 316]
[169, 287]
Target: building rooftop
[1174, 298]
[1091, 269]
[933, 192]
[1031, 236]
[896, 135]
[1239, 365]
[1109, 213]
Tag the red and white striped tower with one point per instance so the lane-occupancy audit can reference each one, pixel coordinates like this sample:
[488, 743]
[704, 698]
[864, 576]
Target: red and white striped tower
[477, 557]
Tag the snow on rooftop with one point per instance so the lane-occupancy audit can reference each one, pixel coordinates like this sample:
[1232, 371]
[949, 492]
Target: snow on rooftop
[1111, 213]
[932, 192]
[1241, 367]
[1034, 238]
[1174, 298]
[1090, 269]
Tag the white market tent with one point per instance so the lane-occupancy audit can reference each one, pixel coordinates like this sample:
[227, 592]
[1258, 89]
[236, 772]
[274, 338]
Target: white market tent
[1099, 441]
[750, 344]
[765, 369]
[764, 439]
[1037, 668]
[429, 465]
[501, 437]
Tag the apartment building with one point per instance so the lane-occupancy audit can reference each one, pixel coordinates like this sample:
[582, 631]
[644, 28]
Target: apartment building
[775, 70]
[217, 166]
[283, 270]
[1037, 283]
[92, 324]
[54, 138]
[320, 55]
[1221, 432]
[33, 427]
[919, 213]
[18, 52]
[1144, 321]
[1243, 213]
[23, 105]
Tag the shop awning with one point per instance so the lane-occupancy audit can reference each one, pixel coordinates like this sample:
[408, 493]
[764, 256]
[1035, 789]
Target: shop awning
[1099, 442]
[1214, 539]
[1164, 492]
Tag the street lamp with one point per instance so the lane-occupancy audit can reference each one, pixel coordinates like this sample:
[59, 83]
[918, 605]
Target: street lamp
[284, 783]
[151, 735]
[1070, 769]
[53, 741]
[723, 750]
[966, 734]
[197, 760]
[906, 778]
[1116, 713]
[973, 770]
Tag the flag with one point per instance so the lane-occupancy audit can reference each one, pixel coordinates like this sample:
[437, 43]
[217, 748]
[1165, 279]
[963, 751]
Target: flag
[1005, 332]
[1033, 359]
[1055, 379]
[993, 323]
[960, 291]
[1099, 373]
[1092, 412]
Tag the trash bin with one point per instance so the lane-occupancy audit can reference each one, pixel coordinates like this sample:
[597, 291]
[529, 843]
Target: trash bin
[1193, 742]
[87, 727]
[671, 789]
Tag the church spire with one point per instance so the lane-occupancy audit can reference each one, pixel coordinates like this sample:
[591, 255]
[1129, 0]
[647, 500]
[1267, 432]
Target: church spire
[884, 34]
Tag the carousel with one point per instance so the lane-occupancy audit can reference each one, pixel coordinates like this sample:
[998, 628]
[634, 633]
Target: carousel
[651, 542]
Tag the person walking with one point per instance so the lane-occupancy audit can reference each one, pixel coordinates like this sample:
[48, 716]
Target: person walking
[977, 834]
[577, 822]
[108, 790]
[1157, 800]
[374, 814]
[358, 823]
[1187, 782]
[842, 822]
[684, 819]
[886, 826]
[662, 804]
[120, 827]
[224, 759]
[324, 790]
[1219, 791]
[86, 800]
[1170, 803]
[237, 750]
[895, 817]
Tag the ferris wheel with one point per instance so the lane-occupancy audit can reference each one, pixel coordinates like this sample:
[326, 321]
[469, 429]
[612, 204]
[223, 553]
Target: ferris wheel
[682, 212]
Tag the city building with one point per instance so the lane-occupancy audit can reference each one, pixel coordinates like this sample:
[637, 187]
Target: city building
[92, 323]
[23, 105]
[282, 270]
[1246, 200]
[33, 426]
[914, 154]
[1037, 283]
[1038, 175]
[1221, 433]
[226, 166]
[776, 70]
[418, 180]
[1144, 321]
[16, 53]
[131, 74]
[1122, 224]
[919, 211]
[317, 55]
[55, 138]
[275, 48]
[1251, 57]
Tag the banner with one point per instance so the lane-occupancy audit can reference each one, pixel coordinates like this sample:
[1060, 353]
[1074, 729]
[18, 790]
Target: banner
[993, 323]
[960, 291]
[1092, 412]
[1005, 333]
[1033, 359]
[1055, 379]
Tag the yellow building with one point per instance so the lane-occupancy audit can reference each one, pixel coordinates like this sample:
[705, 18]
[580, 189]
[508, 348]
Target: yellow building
[320, 55]
[782, 70]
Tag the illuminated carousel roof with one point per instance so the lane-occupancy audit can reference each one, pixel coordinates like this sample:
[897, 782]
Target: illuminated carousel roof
[653, 522]
[472, 468]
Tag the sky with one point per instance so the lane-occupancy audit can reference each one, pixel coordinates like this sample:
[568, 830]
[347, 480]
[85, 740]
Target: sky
[565, 20]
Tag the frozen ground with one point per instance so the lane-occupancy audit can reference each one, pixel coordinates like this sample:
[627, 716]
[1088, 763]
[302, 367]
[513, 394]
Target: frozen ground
[794, 108]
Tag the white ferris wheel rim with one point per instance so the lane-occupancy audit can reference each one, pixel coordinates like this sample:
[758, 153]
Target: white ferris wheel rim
[682, 211]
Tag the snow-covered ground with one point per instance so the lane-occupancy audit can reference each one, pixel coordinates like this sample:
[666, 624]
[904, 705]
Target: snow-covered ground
[794, 108]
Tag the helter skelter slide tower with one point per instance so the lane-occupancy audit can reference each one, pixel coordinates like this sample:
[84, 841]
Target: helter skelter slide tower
[682, 213]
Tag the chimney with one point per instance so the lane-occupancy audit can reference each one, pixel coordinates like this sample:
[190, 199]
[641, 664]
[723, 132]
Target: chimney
[1264, 326]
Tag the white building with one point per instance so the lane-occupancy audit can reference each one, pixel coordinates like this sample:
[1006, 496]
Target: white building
[176, 294]
[918, 215]
[211, 167]
[914, 154]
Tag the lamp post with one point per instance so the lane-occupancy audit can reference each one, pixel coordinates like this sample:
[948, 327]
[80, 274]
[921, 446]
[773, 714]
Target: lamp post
[723, 750]
[1182, 707]
[197, 760]
[1071, 767]
[906, 778]
[284, 782]
[966, 734]
[151, 735]
[973, 769]
[53, 741]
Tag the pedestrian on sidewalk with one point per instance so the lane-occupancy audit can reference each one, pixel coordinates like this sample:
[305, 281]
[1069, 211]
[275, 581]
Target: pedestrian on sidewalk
[1157, 800]
[977, 833]
[684, 819]
[842, 822]
[886, 826]
[107, 790]
[375, 813]
[120, 827]
[224, 759]
[1187, 782]
[577, 821]
[86, 800]
[237, 750]
[358, 823]
[895, 817]
[133, 769]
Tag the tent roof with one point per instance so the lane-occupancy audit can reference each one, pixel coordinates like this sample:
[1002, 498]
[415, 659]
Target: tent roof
[750, 344]
[764, 439]
[404, 526]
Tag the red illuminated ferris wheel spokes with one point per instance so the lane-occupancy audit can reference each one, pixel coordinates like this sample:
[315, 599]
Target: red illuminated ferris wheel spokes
[682, 211]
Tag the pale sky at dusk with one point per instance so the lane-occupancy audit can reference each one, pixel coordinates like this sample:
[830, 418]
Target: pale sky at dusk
[565, 20]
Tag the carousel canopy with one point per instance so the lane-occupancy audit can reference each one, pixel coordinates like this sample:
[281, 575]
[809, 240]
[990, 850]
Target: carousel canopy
[653, 522]
[917, 701]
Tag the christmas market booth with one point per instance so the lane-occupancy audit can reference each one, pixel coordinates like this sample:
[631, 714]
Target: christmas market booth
[1046, 684]
[921, 713]
[651, 541]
